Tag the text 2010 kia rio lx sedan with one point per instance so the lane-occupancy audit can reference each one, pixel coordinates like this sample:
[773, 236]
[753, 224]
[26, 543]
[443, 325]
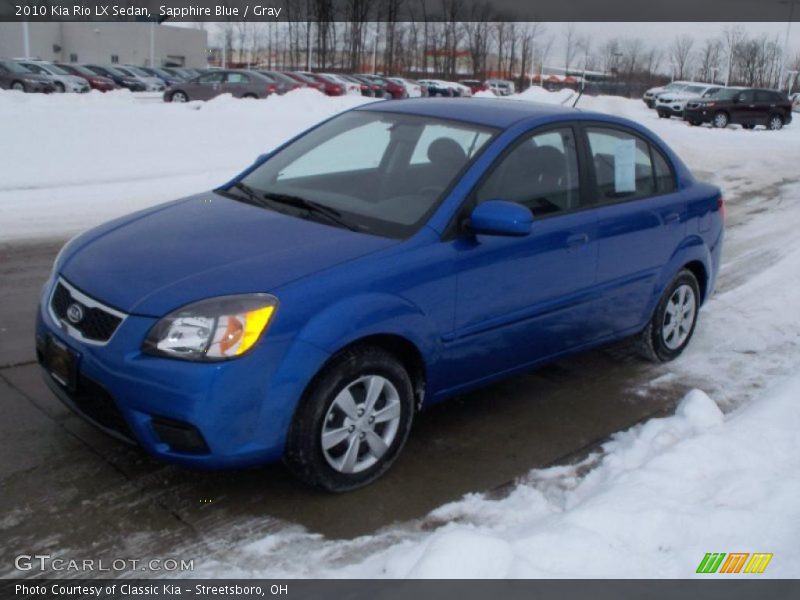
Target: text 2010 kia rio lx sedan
[388, 258]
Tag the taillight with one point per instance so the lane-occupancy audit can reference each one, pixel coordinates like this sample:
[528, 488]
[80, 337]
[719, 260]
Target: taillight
[721, 208]
[337, 89]
[272, 88]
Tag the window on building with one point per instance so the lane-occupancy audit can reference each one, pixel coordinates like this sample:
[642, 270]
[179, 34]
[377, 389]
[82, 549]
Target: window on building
[114, 59]
[73, 58]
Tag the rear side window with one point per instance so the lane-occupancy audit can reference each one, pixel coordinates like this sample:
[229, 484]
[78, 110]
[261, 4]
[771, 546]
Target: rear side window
[540, 172]
[622, 165]
[665, 180]
[238, 78]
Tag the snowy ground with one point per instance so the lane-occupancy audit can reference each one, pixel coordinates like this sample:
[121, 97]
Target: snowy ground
[721, 475]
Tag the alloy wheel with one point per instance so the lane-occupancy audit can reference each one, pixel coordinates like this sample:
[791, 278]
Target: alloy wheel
[775, 123]
[721, 120]
[361, 424]
[179, 97]
[18, 86]
[679, 317]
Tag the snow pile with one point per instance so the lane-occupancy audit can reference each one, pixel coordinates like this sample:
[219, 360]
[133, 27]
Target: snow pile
[72, 161]
[661, 496]
[539, 94]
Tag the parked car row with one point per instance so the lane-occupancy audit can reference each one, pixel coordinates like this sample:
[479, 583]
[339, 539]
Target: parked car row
[260, 83]
[699, 103]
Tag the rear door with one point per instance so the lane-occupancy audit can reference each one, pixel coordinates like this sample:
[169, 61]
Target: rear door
[238, 84]
[206, 86]
[641, 220]
[746, 111]
[520, 299]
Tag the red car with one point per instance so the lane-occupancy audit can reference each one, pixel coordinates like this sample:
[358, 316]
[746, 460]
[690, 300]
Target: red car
[475, 85]
[305, 80]
[329, 87]
[97, 82]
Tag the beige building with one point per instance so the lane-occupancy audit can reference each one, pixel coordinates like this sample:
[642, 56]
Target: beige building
[106, 43]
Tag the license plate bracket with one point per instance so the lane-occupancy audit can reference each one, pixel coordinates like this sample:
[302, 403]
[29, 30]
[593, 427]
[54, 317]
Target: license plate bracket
[62, 363]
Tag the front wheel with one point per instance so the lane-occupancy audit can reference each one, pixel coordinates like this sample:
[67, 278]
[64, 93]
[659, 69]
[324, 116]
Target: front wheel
[775, 123]
[352, 422]
[18, 86]
[674, 319]
[179, 97]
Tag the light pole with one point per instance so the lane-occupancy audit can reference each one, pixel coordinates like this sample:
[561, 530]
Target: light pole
[26, 40]
[152, 43]
[785, 53]
[792, 76]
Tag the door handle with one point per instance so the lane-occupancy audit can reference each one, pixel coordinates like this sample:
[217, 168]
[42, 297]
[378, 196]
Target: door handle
[672, 218]
[578, 239]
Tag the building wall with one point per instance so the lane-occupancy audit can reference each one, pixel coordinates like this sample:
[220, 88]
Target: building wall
[98, 42]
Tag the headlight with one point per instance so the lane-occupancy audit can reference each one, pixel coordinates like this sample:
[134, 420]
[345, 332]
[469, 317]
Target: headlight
[214, 329]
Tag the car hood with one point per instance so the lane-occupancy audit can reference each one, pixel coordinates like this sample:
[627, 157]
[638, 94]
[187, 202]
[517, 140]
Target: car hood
[155, 261]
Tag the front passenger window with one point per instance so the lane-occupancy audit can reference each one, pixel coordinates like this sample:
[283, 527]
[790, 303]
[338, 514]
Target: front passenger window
[540, 172]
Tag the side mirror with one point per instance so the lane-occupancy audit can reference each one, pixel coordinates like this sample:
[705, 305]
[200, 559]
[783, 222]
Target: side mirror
[501, 217]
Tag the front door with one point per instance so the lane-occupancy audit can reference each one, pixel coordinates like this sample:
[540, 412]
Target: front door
[521, 299]
[205, 87]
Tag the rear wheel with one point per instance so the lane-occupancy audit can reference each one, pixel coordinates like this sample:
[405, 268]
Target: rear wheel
[775, 123]
[179, 96]
[18, 86]
[250, 96]
[352, 422]
[721, 120]
[674, 319]
[60, 87]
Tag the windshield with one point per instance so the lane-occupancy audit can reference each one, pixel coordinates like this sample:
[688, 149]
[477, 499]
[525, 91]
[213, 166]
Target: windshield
[694, 89]
[115, 71]
[47, 68]
[137, 71]
[15, 67]
[380, 173]
[674, 87]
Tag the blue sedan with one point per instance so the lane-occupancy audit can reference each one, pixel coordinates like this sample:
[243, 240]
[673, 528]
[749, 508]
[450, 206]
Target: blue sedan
[389, 258]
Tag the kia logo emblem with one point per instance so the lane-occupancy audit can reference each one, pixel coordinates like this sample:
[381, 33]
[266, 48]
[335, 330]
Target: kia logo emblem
[75, 313]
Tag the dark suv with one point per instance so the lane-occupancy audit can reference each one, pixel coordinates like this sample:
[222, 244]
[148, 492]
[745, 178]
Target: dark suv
[746, 106]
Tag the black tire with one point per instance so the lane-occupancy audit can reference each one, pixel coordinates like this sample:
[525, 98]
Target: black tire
[721, 120]
[662, 115]
[179, 96]
[250, 96]
[19, 86]
[694, 123]
[304, 455]
[775, 122]
[60, 87]
[652, 344]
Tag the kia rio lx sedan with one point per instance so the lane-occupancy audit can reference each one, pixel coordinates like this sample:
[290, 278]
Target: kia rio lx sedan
[389, 258]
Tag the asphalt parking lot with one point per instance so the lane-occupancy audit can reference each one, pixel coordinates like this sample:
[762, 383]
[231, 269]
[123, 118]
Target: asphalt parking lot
[66, 485]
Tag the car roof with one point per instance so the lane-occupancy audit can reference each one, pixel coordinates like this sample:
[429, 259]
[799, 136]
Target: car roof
[481, 111]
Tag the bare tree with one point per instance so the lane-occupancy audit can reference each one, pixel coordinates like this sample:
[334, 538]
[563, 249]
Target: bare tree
[710, 56]
[569, 44]
[681, 53]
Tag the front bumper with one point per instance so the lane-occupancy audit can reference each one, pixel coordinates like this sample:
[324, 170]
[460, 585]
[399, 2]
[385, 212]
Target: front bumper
[698, 114]
[672, 110]
[205, 415]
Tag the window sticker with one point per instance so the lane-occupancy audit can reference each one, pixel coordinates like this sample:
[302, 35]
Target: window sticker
[625, 166]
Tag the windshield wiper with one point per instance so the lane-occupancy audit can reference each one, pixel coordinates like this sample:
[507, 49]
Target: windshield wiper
[258, 198]
[310, 206]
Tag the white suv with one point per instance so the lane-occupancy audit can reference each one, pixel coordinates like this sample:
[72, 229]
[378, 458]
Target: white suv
[672, 103]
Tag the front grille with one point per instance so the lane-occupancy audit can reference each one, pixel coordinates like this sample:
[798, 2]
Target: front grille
[97, 324]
